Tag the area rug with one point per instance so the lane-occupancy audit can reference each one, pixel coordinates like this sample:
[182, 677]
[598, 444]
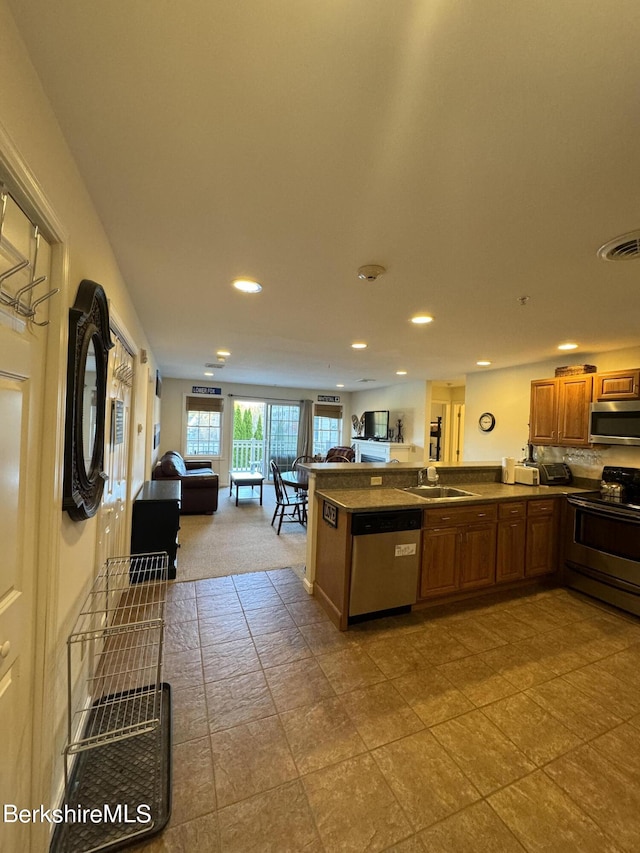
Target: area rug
[238, 539]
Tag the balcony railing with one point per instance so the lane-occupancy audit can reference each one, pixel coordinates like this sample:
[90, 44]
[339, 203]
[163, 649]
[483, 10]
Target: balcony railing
[251, 455]
[247, 455]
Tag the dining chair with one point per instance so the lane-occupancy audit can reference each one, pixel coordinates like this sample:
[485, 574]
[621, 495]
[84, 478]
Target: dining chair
[338, 458]
[303, 458]
[288, 508]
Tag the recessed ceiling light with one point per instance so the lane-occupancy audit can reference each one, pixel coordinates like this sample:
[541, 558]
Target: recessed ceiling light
[421, 319]
[247, 286]
[359, 345]
[568, 346]
[340, 385]
[223, 352]
[208, 373]
[483, 363]
[401, 372]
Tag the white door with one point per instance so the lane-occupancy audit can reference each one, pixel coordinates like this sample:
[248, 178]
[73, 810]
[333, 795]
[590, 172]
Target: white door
[112, 524]
[15, 606]
[458, 432]
[22, 351]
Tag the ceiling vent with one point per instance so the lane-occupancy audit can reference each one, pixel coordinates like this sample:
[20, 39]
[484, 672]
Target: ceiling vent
[624, 248]
[217, 365]
[365, 380]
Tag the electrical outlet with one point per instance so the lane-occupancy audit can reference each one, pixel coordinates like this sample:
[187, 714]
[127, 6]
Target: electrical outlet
[376, 481]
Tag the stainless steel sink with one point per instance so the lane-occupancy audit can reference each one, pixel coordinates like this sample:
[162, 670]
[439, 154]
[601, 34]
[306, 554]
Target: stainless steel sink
[436, 493]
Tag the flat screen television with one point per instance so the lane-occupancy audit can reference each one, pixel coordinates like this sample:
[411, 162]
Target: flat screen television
[376, 425]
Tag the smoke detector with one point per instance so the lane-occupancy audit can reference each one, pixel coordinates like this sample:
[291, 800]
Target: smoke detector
[623, 248]
[370, 272]
[217, 365]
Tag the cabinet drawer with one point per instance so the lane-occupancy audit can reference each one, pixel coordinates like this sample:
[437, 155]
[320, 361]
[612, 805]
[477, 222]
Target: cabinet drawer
[542, 507]
[460, 515]
[512, 509]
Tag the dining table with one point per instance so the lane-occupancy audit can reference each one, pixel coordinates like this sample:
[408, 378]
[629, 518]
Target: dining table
[298, 478]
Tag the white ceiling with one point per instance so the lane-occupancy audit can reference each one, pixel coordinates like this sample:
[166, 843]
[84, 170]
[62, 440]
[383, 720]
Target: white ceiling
[480, 151]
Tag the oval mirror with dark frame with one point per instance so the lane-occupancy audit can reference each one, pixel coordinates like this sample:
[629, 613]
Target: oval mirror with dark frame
[89, 345]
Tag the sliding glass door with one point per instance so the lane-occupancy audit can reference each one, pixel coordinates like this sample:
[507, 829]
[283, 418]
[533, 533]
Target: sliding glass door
[281, 439]
[263, 431]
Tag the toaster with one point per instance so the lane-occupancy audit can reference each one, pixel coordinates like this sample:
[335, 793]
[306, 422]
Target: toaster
[527, 476]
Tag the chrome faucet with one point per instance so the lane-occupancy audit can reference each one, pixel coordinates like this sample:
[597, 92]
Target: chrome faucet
[431, 474]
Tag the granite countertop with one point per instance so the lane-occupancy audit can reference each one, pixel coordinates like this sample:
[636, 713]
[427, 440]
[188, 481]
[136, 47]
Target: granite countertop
[376, 499]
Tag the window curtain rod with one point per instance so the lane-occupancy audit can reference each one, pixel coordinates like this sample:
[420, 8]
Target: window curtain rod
[258, 399]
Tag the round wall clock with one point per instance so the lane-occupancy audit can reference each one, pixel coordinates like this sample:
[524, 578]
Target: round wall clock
[486, 422]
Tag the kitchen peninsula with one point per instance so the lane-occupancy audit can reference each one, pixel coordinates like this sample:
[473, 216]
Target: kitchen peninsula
[498, 534]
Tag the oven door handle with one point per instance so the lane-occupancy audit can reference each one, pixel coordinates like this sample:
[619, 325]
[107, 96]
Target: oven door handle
[628, 514]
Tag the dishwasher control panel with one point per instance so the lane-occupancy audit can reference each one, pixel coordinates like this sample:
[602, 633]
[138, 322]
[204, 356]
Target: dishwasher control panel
[367, 523]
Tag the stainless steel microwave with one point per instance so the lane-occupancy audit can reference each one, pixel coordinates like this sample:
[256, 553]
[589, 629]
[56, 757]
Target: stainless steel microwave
[615, 422]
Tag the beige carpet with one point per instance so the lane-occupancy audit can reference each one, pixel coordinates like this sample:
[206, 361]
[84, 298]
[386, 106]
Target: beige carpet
[238, 539]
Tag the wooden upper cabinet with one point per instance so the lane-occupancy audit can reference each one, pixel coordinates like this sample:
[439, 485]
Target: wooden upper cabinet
[560, 410]
[544, 412]
[575, 394]
[618, 385]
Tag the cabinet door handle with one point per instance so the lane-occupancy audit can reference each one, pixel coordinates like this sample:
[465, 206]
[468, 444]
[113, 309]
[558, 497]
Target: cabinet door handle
[445, 517]
[481, 514]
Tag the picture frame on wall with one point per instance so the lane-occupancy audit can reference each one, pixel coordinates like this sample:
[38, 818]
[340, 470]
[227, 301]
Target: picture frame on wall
[117, 422]
[158, 384]
[156, 436]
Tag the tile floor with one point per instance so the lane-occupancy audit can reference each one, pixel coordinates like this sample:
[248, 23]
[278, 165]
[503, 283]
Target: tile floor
[508, 724]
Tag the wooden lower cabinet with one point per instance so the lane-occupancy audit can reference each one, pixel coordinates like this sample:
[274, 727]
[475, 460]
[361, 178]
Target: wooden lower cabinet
[512, 536]
[467, 548]
[478, 563]
[459, 550]
[440, 562]
[542, 537]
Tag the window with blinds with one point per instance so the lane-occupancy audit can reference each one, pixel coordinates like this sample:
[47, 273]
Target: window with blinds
[204, 426]
[327, 428]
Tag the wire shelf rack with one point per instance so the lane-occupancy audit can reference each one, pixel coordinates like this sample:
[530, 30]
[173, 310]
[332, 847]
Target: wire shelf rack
[115, 689]
[122, 620]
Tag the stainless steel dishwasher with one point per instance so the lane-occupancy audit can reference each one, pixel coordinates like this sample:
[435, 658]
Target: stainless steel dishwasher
[385, 560]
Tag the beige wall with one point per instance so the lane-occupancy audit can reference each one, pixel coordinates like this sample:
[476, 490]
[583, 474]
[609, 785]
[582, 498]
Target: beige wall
[407, 399]
[68, 561]
[506, 394]
[172, 412]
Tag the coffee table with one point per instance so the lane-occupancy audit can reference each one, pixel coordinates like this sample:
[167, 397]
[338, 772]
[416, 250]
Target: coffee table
[245, 478]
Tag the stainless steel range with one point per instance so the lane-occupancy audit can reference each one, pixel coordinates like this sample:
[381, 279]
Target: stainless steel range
[603, 551]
